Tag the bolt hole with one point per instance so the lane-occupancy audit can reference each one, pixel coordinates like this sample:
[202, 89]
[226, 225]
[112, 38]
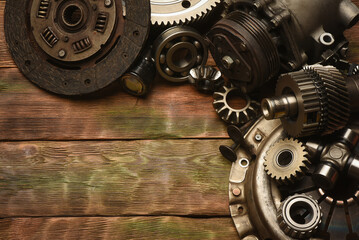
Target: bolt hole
[65, 83]
[327, 39]
[285, 158]
[27, 62]
[136, 33]
[240, 210]
[87, 81]
[244, 162]
[125, 55]
[186, 4]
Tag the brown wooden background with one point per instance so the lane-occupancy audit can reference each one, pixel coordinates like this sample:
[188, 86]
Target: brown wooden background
[114, 167]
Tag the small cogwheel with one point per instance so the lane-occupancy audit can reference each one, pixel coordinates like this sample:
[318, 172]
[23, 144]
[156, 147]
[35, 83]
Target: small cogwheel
[286, 161]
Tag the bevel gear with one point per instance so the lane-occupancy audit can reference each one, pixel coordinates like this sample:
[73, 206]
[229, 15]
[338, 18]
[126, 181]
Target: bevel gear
[286, 161]
[206, 79]
[299, 216]
[173, 12]
[231, 115]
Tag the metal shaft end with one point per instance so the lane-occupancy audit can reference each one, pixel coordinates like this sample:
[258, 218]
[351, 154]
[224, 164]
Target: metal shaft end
[279, 107]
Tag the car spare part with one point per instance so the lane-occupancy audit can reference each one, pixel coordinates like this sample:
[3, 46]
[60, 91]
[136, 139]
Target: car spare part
[259, 38]
[314, 100]
[139, 80]
[177, 50]
[234, 115]
[286, 161]
[75, 47]
[170, 12]
[206, 79]
[262, 209]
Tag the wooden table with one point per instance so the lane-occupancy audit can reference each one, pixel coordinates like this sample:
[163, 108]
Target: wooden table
[112, 167]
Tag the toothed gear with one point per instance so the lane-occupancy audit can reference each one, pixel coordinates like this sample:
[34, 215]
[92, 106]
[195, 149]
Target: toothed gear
[322, 97]
[305, 208]
[231, 115]
[173, 12]
[206, 78]
[286, 161]
[338, 107]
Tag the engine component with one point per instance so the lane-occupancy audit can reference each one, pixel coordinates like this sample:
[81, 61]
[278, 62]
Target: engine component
[335, 158]
[254, 199]
[299, 216]
[313, 100]
[258, 38]
[206, 79]
[169, 12]
[286, 161]
[177, 50]
[231, 115]
[139, 80]
[75, 47]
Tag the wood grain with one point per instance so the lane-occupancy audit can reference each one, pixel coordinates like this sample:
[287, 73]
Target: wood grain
[117, 228]
[171, 111]
[120, 178]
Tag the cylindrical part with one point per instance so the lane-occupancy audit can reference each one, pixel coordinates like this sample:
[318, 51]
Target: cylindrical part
[353, 89]
[349, 13]
[314, 149]
[353, 170]
[325, 176]
[139, 80]
[279, 107]
[349, 137]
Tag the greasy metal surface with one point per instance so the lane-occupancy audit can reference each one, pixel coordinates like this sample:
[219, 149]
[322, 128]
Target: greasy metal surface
[256, 33]
[177, 50]
[79, 77]
[206, 79]
[254, 198]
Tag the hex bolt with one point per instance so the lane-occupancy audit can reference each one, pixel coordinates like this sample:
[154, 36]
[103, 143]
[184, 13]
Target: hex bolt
[108, 3]
[227, 62]
[229, 152]
[62, 53]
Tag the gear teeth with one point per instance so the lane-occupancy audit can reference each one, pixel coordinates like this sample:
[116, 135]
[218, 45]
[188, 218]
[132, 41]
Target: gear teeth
[231, 115]
[295, 169]
[336, 93]
[291, 227]
[199, 13]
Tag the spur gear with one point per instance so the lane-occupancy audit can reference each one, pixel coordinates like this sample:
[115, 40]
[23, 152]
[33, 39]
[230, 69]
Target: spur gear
[231, 115]
[299, 216]
[312, 101]
[173, 12]
[286, 161]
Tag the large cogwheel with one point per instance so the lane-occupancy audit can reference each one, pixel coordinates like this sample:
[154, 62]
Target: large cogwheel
[286, 161]
[171, 12]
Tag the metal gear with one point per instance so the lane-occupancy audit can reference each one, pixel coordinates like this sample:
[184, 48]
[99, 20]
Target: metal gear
[206, 79]
[177, 50]
[299, 216]
[75, 47]
[312, 101]
[173, 12]
[286, 161]
[230, 114]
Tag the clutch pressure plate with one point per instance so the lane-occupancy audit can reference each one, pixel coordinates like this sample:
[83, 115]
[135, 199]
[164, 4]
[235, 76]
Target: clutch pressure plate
[75, 47]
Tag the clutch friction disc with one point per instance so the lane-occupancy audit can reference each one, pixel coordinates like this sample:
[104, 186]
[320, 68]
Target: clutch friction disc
[75, 47]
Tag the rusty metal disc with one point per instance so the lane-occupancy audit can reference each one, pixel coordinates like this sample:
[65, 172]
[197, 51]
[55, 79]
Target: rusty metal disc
[75, 47]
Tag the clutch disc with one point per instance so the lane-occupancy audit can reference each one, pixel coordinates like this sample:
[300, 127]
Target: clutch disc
[75, 47]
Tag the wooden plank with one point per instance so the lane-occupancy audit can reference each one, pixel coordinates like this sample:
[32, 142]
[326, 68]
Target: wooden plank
[171, 111]
[117, 228]
[119, 178]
